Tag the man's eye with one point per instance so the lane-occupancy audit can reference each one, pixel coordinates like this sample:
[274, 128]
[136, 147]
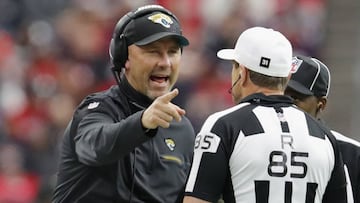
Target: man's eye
[174, 51]
[152, 51]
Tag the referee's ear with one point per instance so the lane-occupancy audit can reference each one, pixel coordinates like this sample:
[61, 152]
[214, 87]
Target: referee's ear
[321, 105]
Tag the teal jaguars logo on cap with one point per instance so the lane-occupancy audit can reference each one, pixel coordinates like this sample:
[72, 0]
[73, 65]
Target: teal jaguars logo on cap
[161, 19]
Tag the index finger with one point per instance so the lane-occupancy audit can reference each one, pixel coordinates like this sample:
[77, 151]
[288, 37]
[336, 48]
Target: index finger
[170, 95]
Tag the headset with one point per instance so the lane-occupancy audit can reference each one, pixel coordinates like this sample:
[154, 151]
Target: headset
[118, 49]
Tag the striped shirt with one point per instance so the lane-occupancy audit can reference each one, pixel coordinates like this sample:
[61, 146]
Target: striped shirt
[350, 151]
[266, 150]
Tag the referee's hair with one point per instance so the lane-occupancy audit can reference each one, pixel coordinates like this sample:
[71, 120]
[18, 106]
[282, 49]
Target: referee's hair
[274, 83]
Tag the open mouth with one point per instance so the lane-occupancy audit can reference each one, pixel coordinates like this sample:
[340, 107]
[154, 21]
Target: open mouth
[159, 79]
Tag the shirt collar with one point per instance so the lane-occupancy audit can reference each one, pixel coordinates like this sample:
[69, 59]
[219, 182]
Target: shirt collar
[260, 98]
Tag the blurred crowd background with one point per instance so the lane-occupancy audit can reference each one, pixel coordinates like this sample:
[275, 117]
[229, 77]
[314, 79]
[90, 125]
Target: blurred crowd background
[53, 53]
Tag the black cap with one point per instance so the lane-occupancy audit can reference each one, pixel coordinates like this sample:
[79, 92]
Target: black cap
[152, 27]
[309, 76]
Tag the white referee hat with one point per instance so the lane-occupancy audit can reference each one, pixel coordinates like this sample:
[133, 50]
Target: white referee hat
[262, 50]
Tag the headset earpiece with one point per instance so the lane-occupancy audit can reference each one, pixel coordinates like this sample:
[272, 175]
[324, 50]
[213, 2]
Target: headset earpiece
[118, 46]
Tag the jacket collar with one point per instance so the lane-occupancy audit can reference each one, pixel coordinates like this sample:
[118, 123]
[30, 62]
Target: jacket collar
[134, 97]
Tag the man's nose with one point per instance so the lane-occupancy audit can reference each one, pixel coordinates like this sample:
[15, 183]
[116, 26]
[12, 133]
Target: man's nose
[165, 60]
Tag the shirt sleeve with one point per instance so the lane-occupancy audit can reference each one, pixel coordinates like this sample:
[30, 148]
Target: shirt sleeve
[209, 167]
[350, 151]
[336, 188]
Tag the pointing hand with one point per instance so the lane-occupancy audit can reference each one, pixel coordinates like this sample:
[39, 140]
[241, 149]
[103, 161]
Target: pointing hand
[161, 112]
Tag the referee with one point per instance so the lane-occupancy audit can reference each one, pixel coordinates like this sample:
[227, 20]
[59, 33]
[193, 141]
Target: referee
[309, 86]
[264, 149]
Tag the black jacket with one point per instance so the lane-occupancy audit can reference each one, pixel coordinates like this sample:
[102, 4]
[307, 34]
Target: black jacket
[107, 156]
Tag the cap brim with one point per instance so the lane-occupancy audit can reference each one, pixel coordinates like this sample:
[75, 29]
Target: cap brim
[296, 86]
[227, 54]
[152, 38]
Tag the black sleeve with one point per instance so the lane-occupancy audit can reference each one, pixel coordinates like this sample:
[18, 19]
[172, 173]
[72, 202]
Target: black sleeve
[100, 139]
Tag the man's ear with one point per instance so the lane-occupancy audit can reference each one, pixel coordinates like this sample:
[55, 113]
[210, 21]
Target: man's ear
[244, 74]
[127, 64]
[321, 103]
